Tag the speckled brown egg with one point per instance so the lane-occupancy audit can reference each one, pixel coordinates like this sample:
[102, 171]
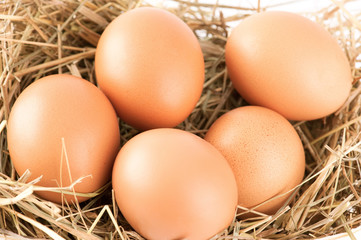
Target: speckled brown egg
[172, 184]
[288, 63]
[265, 153]
[62, 128]
[150, 65]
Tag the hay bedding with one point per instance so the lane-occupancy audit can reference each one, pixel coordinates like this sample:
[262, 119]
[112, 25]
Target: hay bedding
[43, 37]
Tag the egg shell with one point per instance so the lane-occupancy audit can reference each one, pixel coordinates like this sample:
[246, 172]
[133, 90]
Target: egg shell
[63, 128]
[286, 62]
[265, 154]
[171, 184]
[150, 65]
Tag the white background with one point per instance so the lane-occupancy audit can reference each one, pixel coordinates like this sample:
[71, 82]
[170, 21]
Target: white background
[288, 5]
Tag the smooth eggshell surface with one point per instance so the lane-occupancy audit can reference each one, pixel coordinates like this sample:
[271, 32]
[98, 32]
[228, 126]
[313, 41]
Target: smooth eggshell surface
[265, 153]
[288, 63]
[150, 65]
[65, 109]
[171, 184]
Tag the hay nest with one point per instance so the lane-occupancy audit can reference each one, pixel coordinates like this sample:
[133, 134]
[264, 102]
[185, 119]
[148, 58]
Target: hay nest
[39, 38]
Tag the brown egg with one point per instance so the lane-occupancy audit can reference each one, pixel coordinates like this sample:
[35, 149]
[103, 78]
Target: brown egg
[65, 109]
[150, 65]
[265, 153]
[288, 63]
[171, 184]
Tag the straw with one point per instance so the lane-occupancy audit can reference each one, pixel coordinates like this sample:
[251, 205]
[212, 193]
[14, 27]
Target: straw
[38, 38]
